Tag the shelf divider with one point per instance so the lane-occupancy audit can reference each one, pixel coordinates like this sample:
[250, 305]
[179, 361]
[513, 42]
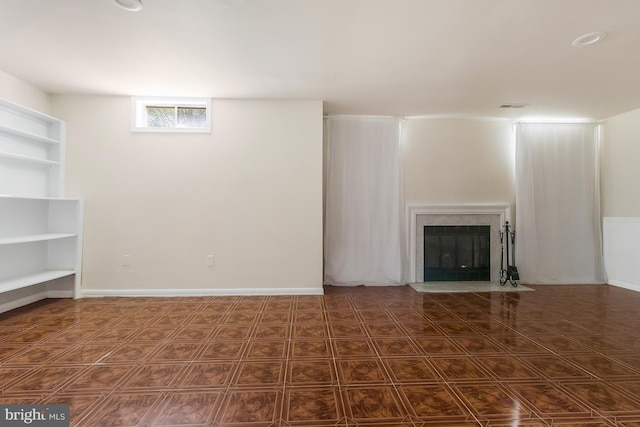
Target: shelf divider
[34, 238]
[28, 159]
[33, 279]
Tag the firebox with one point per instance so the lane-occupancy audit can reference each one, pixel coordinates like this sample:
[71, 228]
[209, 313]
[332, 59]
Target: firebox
[457, 253]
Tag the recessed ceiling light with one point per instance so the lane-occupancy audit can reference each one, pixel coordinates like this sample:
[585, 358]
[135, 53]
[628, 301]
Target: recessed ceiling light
[588, 39]
[130, 5]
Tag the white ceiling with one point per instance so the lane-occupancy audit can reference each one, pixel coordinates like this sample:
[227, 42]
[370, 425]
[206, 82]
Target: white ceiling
[388, 57]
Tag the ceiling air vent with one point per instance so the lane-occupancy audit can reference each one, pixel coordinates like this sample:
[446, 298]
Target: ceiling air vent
[513, 105]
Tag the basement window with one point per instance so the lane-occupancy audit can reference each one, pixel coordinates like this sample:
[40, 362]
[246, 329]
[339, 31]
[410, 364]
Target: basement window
[177, 115]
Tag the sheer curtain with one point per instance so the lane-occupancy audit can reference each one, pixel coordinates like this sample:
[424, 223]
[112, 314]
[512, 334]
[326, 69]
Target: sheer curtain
[363, 220]
[558, 234]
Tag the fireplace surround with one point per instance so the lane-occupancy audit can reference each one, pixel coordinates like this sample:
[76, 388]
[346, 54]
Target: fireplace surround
[420, 215]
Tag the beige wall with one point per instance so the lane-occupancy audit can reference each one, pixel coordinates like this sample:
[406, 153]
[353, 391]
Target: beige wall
[249, 193]
[620, 155]
[458, 161]
[23, 93]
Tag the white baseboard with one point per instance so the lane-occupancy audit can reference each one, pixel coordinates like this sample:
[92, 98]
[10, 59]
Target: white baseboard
[625, 285]
[199, 292]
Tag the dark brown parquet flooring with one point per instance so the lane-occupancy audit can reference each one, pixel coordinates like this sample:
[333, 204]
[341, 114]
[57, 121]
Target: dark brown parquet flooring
[376, 356]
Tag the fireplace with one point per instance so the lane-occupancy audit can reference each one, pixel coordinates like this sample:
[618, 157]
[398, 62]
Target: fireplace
[420, 215]
[457, 253]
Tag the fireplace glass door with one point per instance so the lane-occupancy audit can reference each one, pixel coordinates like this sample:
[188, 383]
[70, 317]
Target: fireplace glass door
[457, 253]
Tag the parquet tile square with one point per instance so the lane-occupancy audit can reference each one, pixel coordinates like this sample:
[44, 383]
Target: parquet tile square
[99, 379]
[207, 375]
[310, 348]
[256, 408]
[130, 352]
[379, 403]
[306, 372]
[222, 350]
[491, 401]
[361, 371]
[154, 377]
[181, 408]
[259, 373]
[407, 370]
[44, 380]
[459, 369]
[353, 348]
[121, 410]
[550, 401]
[317, 406]
[434, 402]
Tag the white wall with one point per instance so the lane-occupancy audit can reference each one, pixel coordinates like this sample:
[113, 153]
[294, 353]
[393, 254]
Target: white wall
[620, 177]
[620, 151]
[620, 241]
[23, 93]
[458, 161]
[249, 193]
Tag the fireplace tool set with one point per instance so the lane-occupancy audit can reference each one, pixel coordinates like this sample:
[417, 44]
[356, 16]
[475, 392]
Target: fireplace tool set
[508, 272]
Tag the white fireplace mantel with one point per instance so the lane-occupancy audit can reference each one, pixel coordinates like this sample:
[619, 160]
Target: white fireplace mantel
[453, 214]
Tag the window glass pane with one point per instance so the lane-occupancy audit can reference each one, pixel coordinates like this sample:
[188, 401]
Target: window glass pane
[160, 117]
[192, 117]
[170, 114]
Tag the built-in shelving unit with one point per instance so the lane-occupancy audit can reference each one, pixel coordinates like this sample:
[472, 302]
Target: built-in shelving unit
[40, 230]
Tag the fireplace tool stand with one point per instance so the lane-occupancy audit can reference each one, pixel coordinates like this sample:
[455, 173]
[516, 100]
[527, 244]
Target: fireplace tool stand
[508, 272]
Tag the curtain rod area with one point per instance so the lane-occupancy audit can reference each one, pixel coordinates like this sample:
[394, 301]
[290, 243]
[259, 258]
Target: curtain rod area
[558, 123]
[364, 116]
[499, 119]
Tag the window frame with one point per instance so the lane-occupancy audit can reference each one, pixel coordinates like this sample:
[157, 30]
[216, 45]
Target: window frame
[139, 104]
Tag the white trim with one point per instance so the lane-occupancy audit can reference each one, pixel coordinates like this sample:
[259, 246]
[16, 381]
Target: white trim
[621, 284]
[414, 209]
[77, 280]
[199, 292]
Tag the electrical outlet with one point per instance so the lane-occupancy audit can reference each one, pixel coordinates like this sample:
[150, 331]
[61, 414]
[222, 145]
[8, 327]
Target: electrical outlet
[126, 260]
[209, 260]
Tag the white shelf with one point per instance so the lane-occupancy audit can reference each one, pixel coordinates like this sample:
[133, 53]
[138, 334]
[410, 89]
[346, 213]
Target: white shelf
[33, 279]
[28, 159]
[9, 196]
[34, 238]
[26, 135]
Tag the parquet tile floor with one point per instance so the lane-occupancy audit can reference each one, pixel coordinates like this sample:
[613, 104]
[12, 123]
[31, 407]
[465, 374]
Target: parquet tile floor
[376, 356]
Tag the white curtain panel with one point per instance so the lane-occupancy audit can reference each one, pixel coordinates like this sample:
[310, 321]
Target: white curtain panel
[363, 220]
[558, 232]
